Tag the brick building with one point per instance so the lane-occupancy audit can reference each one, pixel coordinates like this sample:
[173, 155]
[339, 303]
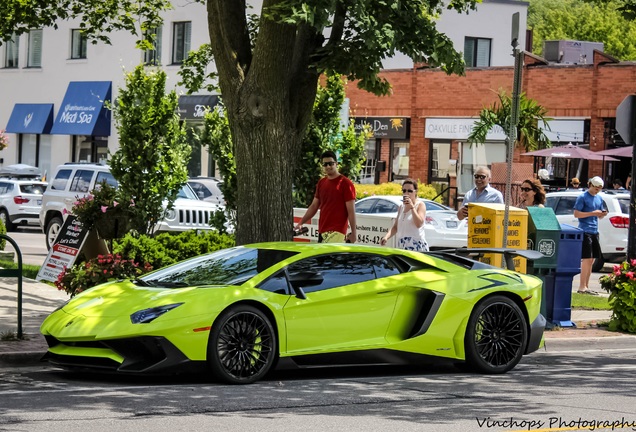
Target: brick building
[421, 129]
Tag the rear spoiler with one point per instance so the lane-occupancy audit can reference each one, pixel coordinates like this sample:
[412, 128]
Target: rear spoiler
[508, 254]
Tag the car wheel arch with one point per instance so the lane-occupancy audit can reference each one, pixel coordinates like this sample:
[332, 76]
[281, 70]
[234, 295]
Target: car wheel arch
[261, 307]
[227, 354]
[497, 295]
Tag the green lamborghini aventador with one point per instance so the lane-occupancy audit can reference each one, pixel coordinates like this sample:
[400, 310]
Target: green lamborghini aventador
[236, 312]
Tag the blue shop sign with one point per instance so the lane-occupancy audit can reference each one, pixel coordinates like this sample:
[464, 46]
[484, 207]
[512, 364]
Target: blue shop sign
[82, 111]
[31, 119]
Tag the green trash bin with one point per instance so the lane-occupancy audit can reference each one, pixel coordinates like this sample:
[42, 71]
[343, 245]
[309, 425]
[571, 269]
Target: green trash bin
[544, 235]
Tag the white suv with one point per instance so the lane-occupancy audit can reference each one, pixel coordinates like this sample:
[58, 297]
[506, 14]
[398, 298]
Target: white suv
[612, 228]
[75, 180]
[20, 202]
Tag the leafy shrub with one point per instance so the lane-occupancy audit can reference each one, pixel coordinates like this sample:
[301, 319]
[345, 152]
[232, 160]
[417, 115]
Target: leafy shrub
[366, 190]
[92, 208]
[97, 271]
[168, 248]
[621, 285]
[3, 230]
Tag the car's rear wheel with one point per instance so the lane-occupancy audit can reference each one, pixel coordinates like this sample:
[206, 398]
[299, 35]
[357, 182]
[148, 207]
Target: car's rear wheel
[242, 346]
[4, 217]
[53, 228]
[496, 336]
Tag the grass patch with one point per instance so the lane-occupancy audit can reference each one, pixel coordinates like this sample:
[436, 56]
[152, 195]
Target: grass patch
[589, 302]
[28, 270]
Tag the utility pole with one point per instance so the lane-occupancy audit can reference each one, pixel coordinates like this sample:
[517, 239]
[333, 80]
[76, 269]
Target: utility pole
[514, 120]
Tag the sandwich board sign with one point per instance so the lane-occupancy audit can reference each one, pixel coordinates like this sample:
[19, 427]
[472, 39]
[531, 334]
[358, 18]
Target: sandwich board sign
[65, 249]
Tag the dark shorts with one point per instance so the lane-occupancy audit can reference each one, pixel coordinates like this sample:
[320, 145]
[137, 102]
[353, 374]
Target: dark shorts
[591, 246]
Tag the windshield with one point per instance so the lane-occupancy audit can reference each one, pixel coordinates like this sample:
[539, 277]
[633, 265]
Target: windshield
[187, 192]
[233, 266]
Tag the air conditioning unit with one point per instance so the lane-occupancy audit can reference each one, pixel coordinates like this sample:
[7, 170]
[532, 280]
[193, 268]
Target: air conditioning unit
[570, 52]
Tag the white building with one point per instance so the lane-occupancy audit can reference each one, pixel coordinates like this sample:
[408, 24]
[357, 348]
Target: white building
[53, 84]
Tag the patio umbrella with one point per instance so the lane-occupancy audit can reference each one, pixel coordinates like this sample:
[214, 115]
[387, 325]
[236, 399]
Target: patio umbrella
[569, 152]
[627, 151]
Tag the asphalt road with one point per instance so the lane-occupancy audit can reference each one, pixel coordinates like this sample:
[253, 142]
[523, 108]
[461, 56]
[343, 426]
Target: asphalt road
[548, 390]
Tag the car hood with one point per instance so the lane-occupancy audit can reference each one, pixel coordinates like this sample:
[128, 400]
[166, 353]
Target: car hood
[124, 298]
[195, 204]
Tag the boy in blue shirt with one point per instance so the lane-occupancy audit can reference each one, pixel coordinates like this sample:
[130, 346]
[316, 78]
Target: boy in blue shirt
[588, 209]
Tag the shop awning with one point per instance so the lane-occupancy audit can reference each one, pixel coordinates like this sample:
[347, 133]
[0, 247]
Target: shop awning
[194, 106]
[82, 111]
[31, 119]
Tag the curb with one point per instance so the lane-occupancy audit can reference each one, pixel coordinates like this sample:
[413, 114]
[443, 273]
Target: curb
[581, 344]
[21, 359]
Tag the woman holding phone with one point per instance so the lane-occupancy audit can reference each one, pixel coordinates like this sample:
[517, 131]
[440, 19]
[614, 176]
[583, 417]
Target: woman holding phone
[409, 223]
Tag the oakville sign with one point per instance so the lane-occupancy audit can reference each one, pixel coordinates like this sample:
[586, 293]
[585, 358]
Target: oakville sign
[458, 129]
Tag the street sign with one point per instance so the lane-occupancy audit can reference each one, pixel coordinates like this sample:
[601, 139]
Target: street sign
[625, 123]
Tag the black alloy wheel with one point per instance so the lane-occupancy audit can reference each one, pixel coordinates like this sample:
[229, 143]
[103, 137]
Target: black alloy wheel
[242, 346]
[496, 336]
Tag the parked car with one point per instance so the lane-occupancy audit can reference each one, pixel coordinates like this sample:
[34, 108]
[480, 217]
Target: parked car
[233, 313]
[77, 180]
[207, 189]
[613, 228]
[443, 229]
[20, 202]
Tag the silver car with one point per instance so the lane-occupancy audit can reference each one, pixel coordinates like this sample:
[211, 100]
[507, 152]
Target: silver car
[612, 228]
[443, 229]
[20, 202]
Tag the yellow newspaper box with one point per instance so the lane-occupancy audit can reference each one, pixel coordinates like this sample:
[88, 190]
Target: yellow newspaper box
[486, 228]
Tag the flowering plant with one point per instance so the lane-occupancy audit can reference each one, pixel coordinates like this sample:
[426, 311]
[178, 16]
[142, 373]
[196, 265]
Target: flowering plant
[102, 203]
[4, 140]
[621, 285]
[97, 271]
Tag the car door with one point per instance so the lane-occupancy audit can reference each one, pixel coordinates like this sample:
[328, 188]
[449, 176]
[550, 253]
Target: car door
[349, 302]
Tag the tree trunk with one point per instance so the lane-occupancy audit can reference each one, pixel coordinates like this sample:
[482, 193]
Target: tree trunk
[266, 150]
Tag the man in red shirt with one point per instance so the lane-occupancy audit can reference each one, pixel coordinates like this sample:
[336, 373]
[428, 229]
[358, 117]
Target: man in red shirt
[335, 197]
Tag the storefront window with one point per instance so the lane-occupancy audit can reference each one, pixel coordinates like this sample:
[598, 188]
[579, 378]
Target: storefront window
[28, 148]
[368, 170]
[440, 161]
[399, 160]
[475, 155]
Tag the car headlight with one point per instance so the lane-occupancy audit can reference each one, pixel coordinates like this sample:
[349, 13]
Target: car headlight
[171, 214]
[148, 315]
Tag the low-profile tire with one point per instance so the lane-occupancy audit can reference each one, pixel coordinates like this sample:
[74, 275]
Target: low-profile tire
[53, 228]
[243, 346]
[4, 217]
[496, 336]
[597, 266]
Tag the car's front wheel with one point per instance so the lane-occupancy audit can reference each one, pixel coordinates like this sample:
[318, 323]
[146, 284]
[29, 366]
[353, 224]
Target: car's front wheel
[242, 347]
[53, 228]
[496, 336]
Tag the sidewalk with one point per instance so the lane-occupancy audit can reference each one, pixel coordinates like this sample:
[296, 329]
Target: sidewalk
[40, 299]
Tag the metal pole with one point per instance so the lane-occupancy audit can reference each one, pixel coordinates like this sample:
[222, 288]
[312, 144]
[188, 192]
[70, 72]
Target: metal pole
[512, 136]
[631, 232]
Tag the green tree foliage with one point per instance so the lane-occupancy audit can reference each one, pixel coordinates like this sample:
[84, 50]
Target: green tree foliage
[151, 162]
[596, 21]
[268, 67]
[325, 132]
[530, 136]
